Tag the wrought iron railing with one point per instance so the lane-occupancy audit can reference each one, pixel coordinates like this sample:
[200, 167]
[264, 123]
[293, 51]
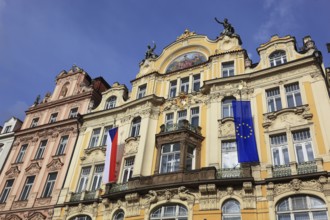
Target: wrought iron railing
[75, 197]
[282, 170]
[90, 195]
[307, 167]
[229, 173]
[178, 126]
[118, 187]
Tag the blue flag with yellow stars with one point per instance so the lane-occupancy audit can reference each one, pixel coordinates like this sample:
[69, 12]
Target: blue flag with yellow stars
[245, 138]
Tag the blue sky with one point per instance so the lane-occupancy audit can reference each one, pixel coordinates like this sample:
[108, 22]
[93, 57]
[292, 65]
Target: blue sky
[40, 38]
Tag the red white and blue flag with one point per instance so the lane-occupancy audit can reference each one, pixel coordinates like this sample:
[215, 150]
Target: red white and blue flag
[111, 154]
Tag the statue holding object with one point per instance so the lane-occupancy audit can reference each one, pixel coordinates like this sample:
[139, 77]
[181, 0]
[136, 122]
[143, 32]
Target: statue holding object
[228, 28]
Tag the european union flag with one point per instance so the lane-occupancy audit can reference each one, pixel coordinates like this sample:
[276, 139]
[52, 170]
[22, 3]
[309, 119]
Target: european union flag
[245, 138]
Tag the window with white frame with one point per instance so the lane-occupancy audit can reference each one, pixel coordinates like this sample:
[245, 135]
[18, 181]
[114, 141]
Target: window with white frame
[170, 212]
[227, 107]
[231, 210]
[196, 82]
[21, 153]
[128, 169]
[228, 69]
[279, 148]
[106, 134]
[169, 117]
[184, 85]
[142, 91]
[53, 117]
[170, 158]
[274, 100]
[49, 186]
[182, 115]
[94, 138]
[97, 177]
[303, 146]
[61, 146]
[229, 154]
[135, 130]
[190, 160]
[194, 116]
[111, 102]
[73, 113]
[277, 58]
[41, 150]
[27, 188]
[119, 215]
[34, 122]
[7, 129]
[301, 207]
[83, 179]
[172, 92]
[293, 96]
[6, 190]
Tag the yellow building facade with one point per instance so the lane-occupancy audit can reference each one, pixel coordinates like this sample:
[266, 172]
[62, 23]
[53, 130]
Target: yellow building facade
[177, 155]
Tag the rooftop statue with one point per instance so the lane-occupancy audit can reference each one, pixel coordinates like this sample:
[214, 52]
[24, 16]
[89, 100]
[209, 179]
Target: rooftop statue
[150, 52]
[228, 28]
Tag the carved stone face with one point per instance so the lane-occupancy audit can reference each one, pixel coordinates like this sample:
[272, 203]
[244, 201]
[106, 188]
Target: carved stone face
[230, 190]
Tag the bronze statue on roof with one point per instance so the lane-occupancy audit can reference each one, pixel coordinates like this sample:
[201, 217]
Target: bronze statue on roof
[228, 28]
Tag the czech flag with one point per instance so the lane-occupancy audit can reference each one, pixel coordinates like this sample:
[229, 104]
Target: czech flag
[111, 153]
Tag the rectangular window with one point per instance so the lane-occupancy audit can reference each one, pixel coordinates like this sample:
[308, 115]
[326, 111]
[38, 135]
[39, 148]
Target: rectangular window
[21, 153]
[41, 149]
[105, 135]
[279, 148]
[97, 177]
[194, 117]
[128, 169]
[274, 100]
[184, 87]
[83, 180]
[228, 69]
[94, 138]
[169, 119]
[142, 91]
[229, 154]
[135, 130]
[34, 122]
[170, 158]
[303, 145]
[182, 115]
[7, 129]
[227, 107]
[27, 188]
[53, 117]
[62, 145]
[6, 191]
[293, 96]
[48, 189]
[172, 92]
[73, 113]
[196, 82]
[190, 160]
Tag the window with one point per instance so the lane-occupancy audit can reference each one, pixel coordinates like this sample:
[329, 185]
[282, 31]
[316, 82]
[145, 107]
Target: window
[53, 117]
[97, 177]
[49, 185]
[128, 169]
[184, 85]
[227, 107]
[172, 92]
[62, 145]
[41, 149]
[182, 115]
[94, 138]
[21, 153]
[81, 217]
[34, 122]
[172, 212]
[7, 129]
[293, 96]
[190, 160]
[196, 82]
[228, 69]
[142, 91]
[135, 131]
[301, 207]
[229, 154]
[111, 102]
[105, 135]
[194, 117]
[231, 210]
[170, 158]
[27, 188]
[274, 100]
[277, 58]
[73, 113]
[279, 148]
[303, 145]
[169, 120]
[119, 215]
[83, 180]
[6, 191]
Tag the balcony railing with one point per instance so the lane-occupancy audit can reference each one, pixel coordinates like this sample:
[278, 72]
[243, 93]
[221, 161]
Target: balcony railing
[282, 170]
[118, 187]
[307, 167]
[229, 173]
[75, 197]
[184, 124]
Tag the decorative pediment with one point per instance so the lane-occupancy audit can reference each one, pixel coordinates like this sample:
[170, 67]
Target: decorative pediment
[33, 168]
[131, 146]
[89, 151]
[13, 217]
[226, 128]
[13, 172]
[37, 216]
[55, 164]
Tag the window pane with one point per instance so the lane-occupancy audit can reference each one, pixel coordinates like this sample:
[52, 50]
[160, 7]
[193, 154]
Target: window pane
[320, 216]
[300, 154]
[299, 203]
[309, 150]
[290, 101]
[301, 216]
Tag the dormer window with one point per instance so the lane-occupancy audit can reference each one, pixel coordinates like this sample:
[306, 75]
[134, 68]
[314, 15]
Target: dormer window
[228, 69]
[111, 102]
[53, 117]
[142, 91]
[277, 58]
[34, 122]
[7, 129]
[73, 113]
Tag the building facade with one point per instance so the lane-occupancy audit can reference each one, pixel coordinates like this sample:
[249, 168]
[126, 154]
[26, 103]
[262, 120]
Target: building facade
[37, 164]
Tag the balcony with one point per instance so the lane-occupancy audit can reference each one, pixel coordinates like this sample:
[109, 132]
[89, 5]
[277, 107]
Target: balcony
[307, 167]
[226, 173]
[85, 195]
[184, 125]
[282, 170]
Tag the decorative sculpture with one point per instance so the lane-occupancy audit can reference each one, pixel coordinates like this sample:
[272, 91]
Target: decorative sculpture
[228, 28]
[184, 193]
[151, 197]
[36, 102]
[150, 52]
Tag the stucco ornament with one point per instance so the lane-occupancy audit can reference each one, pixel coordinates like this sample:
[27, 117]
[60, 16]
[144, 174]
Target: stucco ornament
[151, 197]
[33, 168]
[295, 184]
[37, 216]
[184, 193]
[13, 172]
[186, 34]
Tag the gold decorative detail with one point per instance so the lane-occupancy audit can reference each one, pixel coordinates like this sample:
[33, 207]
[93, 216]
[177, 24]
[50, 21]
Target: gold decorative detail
[186, 34]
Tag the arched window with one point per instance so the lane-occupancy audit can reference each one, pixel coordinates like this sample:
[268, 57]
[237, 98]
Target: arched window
[81, 217]
[277, 58]
[301, 207]
[227, 107]
[175, 212]
[135, 130]
[119, 215]
[231, 210]
[111, 102]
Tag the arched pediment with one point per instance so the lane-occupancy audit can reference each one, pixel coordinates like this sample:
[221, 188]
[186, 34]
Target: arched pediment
[186, 60]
